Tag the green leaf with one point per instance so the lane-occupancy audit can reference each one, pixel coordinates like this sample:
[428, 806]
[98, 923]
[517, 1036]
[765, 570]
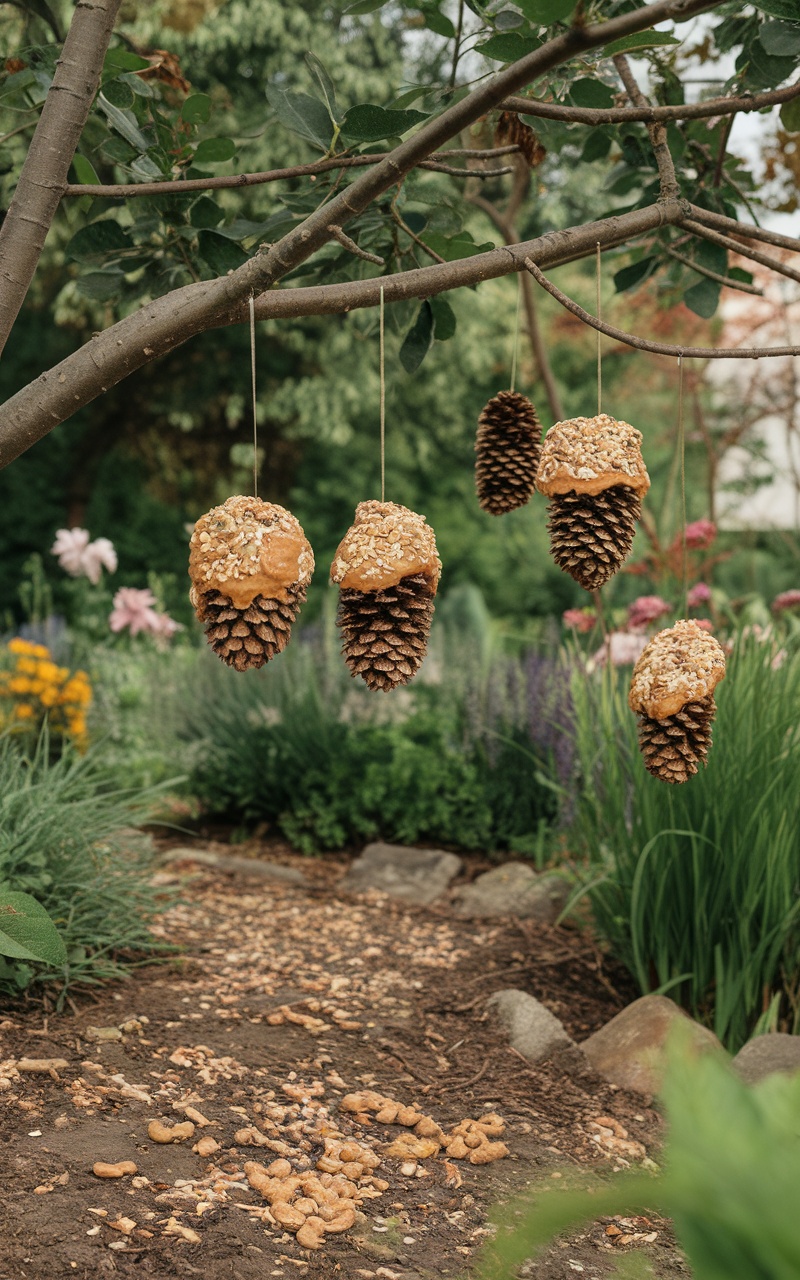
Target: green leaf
[106, 236]
[118, 150]
[790, 116]
[761, 69]
[410, 96]
[417, 342]
[368, 123]
[597, 145]
[508, 20]
[781, 38]
[118, 93]
[196, 109]
[543, 13]
[325, 83]
[124, 122]
[215, 151]
[101, 286]
[714, 257]
[117, 60]
[632, 276]
[509, 47]
[365, 6]
[778, 8]
[437, 22]
[303, 114]
[444, 318]
[590, 93]
[206, 213]
[458, 246]
[27, 932]
[702, 298]
[84, 171]
[219, 253]
[736, 273]
[639, 40]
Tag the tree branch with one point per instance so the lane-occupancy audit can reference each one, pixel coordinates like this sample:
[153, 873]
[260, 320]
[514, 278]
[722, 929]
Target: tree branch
[44, 173]
[168, 321]
[741, 285]
[668, 182]
[350, 245]
[733, 246]
[644, 344]
[744, 229]
[111, 356]
[648, 114]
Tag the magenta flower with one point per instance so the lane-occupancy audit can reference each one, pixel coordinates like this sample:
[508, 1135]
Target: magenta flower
[700, 534]
[81, 558]
[786, 600]
[646, 609]
[579, 619]
[699, 594]
[705, 623]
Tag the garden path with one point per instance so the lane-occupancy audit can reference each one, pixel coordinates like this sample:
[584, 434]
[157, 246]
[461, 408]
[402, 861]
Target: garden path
[286, 998]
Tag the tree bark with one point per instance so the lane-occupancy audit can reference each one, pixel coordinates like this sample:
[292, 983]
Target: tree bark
[43, 179]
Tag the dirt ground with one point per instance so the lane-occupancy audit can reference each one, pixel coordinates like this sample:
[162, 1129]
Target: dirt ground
[285, 1000]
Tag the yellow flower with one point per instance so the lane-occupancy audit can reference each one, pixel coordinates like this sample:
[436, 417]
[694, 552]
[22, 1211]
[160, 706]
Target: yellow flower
[48, 671]
[48, 696]
[18, 645]
[19, 684]
[29, 666]
[24, 711]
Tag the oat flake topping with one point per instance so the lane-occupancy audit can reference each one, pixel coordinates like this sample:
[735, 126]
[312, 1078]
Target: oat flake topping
[588, 455]
[681, 664]
[386, 543]
[247, 547]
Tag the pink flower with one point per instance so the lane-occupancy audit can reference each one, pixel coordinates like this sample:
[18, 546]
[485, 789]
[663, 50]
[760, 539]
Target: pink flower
[133, 608]
[167, 626]
[700, 534]
[622, 648]
[579, 619]
[699, 594]
[645, 610]
[81, 558]
[786, 600]
[705, 623]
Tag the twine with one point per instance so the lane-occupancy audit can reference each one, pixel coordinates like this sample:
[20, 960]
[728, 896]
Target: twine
[383, 400]
[515, 347]
[253, 382]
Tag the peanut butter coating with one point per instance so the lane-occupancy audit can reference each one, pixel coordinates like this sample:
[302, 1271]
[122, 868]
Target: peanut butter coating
[247, 548]
[386, 543]
[588, 455]
[680, 664]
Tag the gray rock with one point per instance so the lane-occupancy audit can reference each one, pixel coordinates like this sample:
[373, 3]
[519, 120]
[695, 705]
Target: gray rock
[767, 1054]
[419, 875]
[629, 1051]
[532, 1029]
[514, 889]
[231, 865]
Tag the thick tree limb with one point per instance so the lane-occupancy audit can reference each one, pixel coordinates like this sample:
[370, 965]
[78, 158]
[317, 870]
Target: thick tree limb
[644, 344]
[648, 114]
[668, 182]
[44, 173]
[169, 321]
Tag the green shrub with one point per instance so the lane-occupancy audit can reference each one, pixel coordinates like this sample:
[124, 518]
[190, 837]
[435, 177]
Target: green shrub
[303, 746]
[732, 1167]
[62, 842]
[695, 887]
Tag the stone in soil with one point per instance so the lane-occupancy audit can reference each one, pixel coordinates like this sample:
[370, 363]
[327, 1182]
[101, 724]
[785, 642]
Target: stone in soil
[514, 889]
[417, 875]
[630, 1050]
[765, 1055]
[532, 1029]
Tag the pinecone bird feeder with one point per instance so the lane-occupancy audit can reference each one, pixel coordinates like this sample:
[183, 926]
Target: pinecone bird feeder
[672, 693]
[507, 451]
[250, 564]
[388, 572]
[594, 474]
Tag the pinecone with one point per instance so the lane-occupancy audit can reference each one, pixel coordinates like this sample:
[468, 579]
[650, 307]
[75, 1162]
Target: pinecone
[249, 637]
[672, 693]
[388, 572]
[591, 535]
[250, 564]
[386, 632]
[675, 747]
[593, 472]
[508, 447]
[510, 129]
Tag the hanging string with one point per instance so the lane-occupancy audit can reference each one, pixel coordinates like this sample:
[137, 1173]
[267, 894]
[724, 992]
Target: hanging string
[383, 403]
[599, 303]
[253, 381]
[682, 453]
[515, 348]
